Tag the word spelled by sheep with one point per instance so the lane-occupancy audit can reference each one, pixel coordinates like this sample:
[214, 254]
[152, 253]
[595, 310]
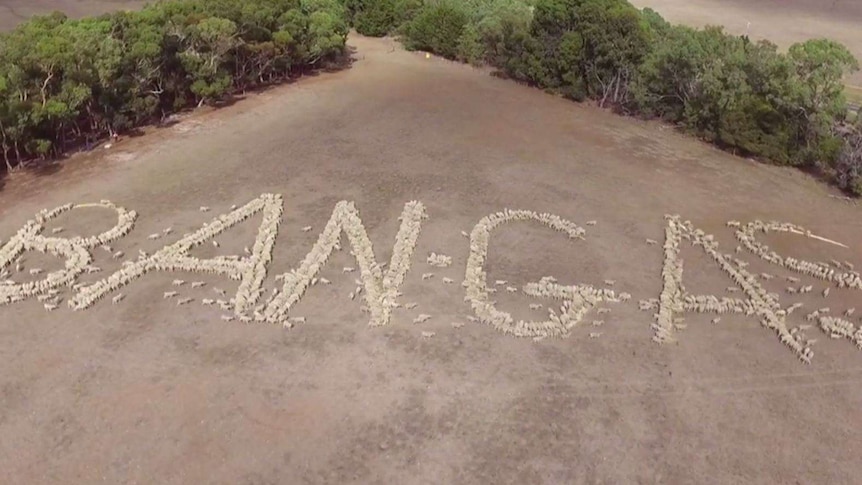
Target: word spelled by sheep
[380, 289]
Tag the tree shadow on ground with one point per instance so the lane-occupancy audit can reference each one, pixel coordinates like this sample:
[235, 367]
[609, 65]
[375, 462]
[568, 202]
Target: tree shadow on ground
[134, 132]
[45, 168]
[37, 168]
[340, 63]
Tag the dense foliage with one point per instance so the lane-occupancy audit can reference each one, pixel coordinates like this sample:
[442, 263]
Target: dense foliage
[848, 168]
[744, 96]
[380, 17]
[65, 83]
[748, 96]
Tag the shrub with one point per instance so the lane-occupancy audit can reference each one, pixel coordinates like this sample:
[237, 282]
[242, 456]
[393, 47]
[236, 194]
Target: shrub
[848, 165]
[748, 96]
[657, 24]
[517, 55]
[588, 48]
[470, 47]
[377, 18]
[437, 27]
[502, 20]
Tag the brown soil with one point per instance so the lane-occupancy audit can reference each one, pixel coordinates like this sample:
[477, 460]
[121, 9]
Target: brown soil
[145, 391]
[13, 12]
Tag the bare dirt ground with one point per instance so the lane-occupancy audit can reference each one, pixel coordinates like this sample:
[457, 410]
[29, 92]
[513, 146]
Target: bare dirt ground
[13, 12]
[148, 391]
[781, 21]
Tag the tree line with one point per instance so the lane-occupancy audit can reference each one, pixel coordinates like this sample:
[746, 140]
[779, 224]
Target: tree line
[744, 96]
[68, 83]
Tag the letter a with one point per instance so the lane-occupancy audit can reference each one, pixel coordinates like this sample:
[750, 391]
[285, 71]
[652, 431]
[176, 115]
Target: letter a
[674, 299]
[250, 271]
[381, 290]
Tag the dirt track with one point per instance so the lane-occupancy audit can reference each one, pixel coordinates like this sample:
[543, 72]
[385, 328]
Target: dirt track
[146, 391]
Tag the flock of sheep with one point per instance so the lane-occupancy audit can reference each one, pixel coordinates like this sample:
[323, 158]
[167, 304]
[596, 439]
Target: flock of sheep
[175, 257]
[74, 251]
[674, 300]
[381, 290]
[577, 300]
[842, 274]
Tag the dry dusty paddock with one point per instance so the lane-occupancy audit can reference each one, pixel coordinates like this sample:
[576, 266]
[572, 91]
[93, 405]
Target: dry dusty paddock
[13, 12]
[149, 391]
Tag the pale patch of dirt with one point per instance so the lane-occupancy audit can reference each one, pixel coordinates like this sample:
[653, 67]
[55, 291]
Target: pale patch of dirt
[146, 391]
